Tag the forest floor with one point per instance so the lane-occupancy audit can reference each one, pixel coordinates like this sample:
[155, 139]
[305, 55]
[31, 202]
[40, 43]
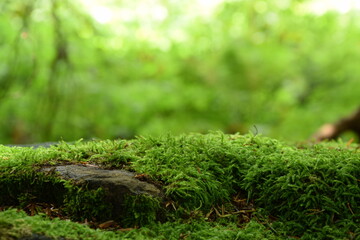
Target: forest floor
[210, 186]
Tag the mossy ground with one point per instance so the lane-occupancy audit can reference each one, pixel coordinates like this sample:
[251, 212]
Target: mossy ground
[217, 186]
[15, 224]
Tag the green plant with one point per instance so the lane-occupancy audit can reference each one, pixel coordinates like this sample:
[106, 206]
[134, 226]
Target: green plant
[82, 203]
[140, 210]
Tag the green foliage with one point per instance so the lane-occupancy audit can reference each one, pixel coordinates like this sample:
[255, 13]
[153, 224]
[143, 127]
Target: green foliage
[200, 230]
[309, 191]
[140, 210]
[24, 187]
[83, 204]
[250, 62]
[108, 153]
[18, 224]
[188, 166]
[111, 153]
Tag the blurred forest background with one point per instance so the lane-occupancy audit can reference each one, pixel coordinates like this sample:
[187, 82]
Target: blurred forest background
[72, 69]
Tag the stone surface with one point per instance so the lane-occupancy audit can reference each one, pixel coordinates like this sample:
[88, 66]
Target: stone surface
[35, 145]
[119, 180]
[116, 183]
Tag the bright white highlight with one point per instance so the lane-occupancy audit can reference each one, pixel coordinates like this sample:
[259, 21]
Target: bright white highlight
[102, 14]
[341, 6]
[105, 12]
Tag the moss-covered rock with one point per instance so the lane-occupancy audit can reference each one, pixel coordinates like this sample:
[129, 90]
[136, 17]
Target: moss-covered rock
[309, 191]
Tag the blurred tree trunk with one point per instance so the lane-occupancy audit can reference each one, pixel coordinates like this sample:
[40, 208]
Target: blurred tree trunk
[59, 66]
[334, 130]
[21, 61]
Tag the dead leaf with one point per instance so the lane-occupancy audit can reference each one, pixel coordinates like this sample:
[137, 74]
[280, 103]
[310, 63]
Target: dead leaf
[125, 229]
[107, 224]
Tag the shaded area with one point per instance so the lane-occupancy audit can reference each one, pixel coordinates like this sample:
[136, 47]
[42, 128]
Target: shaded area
[333, 131]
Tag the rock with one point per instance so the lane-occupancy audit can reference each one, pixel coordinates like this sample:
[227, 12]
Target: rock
[116, 183]
[35, 145]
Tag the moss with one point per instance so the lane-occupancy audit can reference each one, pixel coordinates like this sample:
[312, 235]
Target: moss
[141, 210]
[297, 191]
[23, 225]
[22, 187]
[84, 204]
[14, 225]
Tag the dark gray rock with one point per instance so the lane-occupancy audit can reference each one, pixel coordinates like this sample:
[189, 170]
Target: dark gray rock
[114, 180]
[35, 145]
[116, 183]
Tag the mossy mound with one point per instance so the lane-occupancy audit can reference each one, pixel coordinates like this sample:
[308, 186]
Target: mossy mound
[15, 225]
[213, 179]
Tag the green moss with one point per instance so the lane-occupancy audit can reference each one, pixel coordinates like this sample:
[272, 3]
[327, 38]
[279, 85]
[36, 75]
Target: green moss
[309, 190]
[81, 203]
[200, 230]
[21, 225]
[14, 224]
[117, 153]
[141, 210]
[22, 187]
